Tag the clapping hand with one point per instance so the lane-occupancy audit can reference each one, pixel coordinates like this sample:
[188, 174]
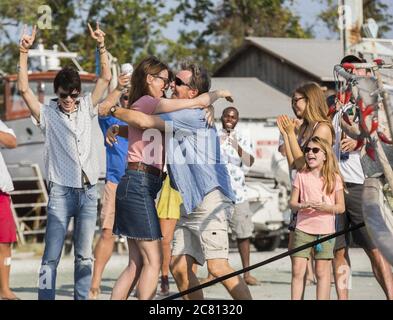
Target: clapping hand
[232, 139]
[286, 124]
[26, 40]
[321, 206]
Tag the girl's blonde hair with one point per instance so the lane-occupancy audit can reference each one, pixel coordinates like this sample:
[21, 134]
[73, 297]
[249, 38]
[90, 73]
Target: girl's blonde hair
[330, 169]
[316, 107]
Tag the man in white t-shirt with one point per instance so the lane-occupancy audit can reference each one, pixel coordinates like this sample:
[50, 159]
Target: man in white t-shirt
[352, 172]
[237, 152]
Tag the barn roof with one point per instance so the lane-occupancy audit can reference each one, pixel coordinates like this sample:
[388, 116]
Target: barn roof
[313, 56]
[254, 99]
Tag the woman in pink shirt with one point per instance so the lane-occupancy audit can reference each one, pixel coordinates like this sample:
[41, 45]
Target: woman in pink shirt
[317, 195]
[136, 215]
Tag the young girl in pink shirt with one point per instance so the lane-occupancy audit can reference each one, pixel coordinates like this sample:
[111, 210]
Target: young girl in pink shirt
[317, 195]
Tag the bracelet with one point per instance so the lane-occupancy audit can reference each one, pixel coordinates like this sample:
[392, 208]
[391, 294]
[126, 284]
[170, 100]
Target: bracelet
[23, 50]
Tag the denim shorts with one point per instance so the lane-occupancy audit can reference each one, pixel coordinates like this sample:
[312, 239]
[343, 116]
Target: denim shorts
[136, 214]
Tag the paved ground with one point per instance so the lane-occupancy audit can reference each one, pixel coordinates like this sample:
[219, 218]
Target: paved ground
[275, 278]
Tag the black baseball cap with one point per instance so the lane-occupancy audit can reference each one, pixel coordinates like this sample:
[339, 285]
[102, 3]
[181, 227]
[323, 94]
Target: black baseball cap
[350, 58]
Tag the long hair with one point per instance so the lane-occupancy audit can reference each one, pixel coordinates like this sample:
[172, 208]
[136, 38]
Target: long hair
[139, 87]
[316, 107]
[330, 169]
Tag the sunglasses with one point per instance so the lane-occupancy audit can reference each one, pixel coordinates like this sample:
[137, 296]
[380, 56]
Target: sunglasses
[179, 82]
[65, 95]
[295, 100]
[166, 80]
[314, 150]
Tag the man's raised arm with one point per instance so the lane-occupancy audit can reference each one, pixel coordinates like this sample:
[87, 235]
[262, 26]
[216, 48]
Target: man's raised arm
[105, 74]
[27, 94]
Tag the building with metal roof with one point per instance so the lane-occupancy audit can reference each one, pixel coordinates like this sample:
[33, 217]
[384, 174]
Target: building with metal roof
[284, 63]
[253, 98]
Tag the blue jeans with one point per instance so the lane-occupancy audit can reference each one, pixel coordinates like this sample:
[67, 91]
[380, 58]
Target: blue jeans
[64, 203]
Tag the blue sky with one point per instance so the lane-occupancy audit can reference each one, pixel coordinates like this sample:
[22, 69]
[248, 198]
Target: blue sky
[306, 9]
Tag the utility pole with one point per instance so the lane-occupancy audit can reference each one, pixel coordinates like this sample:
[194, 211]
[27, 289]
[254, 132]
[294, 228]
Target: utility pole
[350, 23]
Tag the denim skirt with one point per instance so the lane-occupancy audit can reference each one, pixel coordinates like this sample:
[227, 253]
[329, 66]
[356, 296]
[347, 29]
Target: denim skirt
[136, 214]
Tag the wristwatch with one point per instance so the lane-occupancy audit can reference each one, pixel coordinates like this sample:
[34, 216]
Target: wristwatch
[113, 109]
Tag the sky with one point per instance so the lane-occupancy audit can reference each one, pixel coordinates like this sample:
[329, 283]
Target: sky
[307, 10]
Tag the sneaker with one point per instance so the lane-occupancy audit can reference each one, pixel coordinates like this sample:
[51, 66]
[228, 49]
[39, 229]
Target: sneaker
[164, 286]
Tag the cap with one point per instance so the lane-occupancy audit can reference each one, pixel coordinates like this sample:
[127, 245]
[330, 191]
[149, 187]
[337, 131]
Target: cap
[351, 59]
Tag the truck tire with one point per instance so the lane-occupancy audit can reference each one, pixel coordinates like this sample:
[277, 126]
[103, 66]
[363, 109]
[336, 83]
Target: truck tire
[263, 243]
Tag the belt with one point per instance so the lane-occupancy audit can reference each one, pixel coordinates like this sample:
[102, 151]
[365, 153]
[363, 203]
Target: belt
[350, 184]
[140, 166]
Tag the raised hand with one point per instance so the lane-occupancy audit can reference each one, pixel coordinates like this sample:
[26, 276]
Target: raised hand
[97, 34]
[123, 81]
[26, 40]
[225, 94]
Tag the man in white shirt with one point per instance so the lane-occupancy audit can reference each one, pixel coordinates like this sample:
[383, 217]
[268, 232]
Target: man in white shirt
[71, 162]
[237, 151]
[7, 224]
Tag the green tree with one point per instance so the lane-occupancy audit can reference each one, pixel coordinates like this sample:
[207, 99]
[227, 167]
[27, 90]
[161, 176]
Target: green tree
[376, 9]
[133, 27]
[225, 24]
[13, 13]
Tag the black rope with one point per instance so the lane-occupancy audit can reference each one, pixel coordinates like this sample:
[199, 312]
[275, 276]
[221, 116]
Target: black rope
[260, 264]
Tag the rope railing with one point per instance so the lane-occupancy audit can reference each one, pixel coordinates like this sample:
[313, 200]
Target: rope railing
[265, 262]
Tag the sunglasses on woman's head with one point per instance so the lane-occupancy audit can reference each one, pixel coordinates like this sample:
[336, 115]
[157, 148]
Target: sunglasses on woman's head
[314, 150]
[179, 82]
[65, 95]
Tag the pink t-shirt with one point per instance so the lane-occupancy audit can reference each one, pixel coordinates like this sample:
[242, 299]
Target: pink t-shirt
[146, 145]
[311, 189]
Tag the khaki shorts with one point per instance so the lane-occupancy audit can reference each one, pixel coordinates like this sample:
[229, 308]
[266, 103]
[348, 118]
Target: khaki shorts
[324, 252]
[203, 234]
[108, 205]
[241, 223]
